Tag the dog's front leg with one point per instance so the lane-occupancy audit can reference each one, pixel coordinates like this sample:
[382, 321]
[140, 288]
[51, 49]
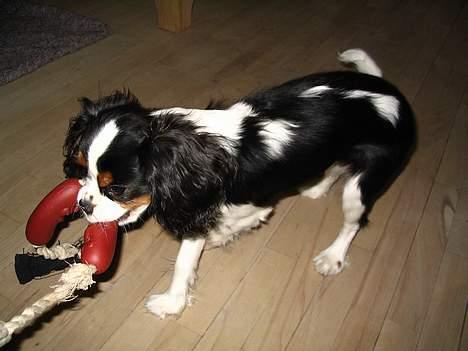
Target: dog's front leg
[174, 300]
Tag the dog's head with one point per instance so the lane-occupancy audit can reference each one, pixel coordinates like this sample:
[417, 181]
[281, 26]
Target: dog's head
[130, 161]
[105, 149]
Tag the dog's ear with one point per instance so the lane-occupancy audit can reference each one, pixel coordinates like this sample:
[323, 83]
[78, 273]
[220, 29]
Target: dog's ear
[92, 113]
[188, 173]
[88, 107]
[74, 165]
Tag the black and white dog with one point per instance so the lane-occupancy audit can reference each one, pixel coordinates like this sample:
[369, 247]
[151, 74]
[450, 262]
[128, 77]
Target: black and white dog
[209, 175]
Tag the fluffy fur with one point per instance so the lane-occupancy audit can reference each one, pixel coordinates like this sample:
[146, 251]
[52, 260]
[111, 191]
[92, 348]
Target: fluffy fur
[208, 175]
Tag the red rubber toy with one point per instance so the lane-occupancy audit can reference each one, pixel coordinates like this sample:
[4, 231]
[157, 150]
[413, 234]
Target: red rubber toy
[60, 202]
[99, 245]
[99, 238]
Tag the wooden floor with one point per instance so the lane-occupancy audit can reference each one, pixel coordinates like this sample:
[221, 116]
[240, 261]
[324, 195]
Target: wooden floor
[406, 287]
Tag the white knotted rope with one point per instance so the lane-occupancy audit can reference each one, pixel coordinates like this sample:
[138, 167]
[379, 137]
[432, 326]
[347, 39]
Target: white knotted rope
[78, 277]
[60, 251]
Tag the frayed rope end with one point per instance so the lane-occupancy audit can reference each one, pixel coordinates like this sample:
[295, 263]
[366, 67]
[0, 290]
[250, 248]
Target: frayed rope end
[78, 277]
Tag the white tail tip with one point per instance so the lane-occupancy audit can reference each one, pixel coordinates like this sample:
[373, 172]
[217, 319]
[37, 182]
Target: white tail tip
[361, 60]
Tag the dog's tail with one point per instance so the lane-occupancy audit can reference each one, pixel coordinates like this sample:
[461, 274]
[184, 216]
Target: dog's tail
[361, 60]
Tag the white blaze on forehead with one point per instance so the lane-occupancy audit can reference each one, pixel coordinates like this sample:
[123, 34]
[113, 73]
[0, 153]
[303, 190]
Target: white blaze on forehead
[386, 105]
[104, 209]
[100, 144]
[276, 134]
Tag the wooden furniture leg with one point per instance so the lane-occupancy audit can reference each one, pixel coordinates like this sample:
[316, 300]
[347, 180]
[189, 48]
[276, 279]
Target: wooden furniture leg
[174, 15]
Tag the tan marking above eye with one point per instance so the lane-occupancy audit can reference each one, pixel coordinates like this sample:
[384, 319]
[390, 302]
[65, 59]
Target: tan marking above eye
[136, 202]
[80, 159]
[105, 179]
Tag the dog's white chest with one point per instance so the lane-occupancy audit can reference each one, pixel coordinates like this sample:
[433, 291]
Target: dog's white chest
[235, 220]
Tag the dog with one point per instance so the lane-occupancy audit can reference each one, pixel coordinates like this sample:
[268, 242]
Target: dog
[207, 175]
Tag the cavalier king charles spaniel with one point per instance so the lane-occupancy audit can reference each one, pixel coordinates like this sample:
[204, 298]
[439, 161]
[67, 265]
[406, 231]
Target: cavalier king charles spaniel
[207, 175]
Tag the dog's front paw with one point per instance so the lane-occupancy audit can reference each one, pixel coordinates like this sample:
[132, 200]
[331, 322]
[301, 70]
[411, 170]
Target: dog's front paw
[166, 304]
[329, 262]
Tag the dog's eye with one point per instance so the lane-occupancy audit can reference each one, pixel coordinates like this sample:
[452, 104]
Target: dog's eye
[114, 190]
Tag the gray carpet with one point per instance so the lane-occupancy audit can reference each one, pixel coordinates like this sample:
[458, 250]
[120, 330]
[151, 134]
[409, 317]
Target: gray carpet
[32, 35]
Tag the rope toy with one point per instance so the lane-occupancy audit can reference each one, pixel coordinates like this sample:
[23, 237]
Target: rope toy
[79, 276]
[60, 252]
[97, 251]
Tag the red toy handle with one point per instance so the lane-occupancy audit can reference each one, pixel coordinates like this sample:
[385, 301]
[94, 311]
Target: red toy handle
[57, 204]
[99, 245]
[99, 238]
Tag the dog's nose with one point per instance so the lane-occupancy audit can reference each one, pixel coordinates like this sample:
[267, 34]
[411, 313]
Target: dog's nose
[86, 206]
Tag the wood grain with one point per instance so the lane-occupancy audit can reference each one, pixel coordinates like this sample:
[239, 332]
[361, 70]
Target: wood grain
[406, 285]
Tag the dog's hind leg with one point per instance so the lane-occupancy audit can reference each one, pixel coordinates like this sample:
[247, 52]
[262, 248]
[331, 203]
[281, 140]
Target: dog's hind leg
[373, 168]
[321, 188]
[332, 260]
